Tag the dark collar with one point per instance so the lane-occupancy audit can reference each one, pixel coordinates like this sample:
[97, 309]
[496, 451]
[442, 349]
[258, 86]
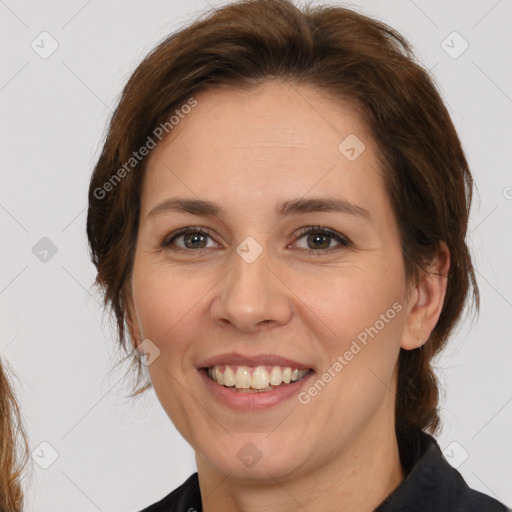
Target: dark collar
[431, 484]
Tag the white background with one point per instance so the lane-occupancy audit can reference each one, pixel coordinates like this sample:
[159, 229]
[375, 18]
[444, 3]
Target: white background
[118, 455]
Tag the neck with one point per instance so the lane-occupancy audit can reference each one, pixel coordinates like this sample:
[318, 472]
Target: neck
[357, 480]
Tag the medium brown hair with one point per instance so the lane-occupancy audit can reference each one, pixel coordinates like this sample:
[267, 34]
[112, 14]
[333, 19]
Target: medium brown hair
[13, 447]
[349, 56]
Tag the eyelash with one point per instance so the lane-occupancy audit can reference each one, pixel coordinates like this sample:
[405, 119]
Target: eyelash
[317, 229]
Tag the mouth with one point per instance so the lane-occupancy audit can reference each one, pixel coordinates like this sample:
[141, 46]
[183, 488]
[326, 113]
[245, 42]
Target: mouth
[255, 379]
[253, 382]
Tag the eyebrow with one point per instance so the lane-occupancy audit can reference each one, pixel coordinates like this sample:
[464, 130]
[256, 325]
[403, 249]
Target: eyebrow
[201, 207]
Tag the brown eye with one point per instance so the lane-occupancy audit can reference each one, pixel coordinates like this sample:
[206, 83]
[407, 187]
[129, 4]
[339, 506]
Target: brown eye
[195, 240]
[321, 239]
[188, 238]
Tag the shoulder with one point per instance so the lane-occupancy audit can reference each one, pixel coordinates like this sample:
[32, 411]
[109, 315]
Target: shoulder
[432, 484]
[185, 498]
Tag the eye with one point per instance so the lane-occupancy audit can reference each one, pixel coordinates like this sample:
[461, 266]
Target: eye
[189, 238]
[320, 239]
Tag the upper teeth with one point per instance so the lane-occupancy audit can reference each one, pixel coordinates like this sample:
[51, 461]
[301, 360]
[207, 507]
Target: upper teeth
[260, 378]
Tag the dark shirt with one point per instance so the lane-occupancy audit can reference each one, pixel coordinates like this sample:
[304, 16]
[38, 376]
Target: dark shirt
[431, 484]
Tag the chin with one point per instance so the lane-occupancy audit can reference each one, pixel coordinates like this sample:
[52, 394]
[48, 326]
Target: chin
[255, 457]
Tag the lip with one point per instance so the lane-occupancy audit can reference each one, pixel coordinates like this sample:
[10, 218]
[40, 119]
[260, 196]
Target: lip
[253, 401]
[234, 358]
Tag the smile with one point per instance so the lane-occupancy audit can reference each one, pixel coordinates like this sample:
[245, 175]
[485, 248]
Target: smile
[253, 379]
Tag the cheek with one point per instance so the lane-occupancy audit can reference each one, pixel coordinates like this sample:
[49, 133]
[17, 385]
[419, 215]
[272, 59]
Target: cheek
[366, 315]
[364, 311]
[371, 323]
[348, 301]
[166, 302]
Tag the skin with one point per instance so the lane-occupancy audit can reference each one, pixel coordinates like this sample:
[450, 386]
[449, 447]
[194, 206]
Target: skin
[250, 151]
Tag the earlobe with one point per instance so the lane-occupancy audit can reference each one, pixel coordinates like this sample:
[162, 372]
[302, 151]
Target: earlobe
[426, 301]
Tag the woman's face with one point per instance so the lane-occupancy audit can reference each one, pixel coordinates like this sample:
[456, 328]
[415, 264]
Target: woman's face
[298, 265]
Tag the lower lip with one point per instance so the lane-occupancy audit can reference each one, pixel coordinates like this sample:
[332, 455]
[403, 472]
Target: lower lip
[251, 401]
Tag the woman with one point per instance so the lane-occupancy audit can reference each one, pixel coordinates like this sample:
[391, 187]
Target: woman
[278, 220]
[13, 449]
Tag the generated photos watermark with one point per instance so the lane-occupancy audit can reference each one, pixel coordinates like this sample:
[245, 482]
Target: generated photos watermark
[343, 360]
[158, 133]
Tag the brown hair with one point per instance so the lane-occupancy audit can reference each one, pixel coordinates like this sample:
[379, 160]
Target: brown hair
[13, 447]
[341, 52]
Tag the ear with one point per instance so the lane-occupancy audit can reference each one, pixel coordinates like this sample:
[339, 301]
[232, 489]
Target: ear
[426, 301]
[132, 322]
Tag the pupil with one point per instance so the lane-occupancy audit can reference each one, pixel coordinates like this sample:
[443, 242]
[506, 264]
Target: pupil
[195, 237]
[318, 237]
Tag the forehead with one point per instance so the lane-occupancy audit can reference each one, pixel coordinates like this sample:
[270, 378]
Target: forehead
[263, 141]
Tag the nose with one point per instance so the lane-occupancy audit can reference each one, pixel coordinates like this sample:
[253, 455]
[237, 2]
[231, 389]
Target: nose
[252, 295]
